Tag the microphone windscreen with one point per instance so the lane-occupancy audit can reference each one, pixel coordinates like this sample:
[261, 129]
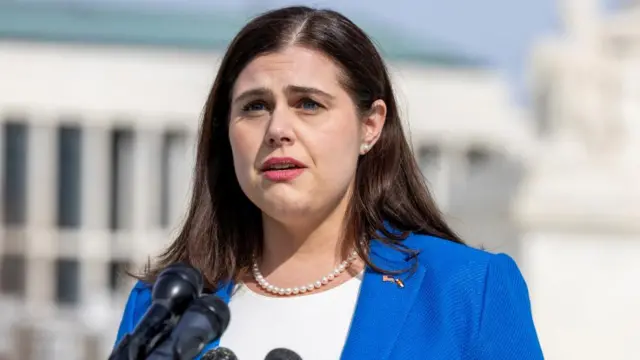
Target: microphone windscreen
[177, 285]
[219, 353]
[282, 354]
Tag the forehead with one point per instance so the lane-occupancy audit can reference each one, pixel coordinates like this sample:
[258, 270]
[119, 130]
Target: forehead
[293, 65]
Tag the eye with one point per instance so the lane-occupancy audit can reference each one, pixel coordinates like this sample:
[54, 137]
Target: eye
[254, 106]
[309, 105]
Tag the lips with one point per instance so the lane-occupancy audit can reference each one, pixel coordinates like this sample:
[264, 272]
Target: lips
[282, 169]
[281, 163]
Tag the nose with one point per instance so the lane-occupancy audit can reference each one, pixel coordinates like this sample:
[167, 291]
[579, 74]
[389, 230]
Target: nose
[280, 129]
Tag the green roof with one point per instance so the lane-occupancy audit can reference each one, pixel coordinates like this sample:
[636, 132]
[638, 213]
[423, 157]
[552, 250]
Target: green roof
[207, 30]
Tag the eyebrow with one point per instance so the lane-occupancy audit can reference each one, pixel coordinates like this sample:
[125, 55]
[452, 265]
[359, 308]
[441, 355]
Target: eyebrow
[294, 89]
[308, 90]
[257, 92]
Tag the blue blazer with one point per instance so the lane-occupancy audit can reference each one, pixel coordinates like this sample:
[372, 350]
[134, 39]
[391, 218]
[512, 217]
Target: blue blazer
[459, 303]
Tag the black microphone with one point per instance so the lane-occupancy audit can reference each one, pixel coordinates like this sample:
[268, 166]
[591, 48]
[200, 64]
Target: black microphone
[176, 287]
[204, 321]
[220, 353]
[282, 354]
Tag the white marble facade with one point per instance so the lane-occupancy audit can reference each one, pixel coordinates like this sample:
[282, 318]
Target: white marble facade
[579, 207]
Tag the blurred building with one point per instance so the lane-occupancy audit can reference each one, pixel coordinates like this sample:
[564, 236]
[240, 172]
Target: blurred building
[99, 109]
[579, 207]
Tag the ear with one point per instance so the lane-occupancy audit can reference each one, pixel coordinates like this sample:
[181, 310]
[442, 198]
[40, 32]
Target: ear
[372, 125]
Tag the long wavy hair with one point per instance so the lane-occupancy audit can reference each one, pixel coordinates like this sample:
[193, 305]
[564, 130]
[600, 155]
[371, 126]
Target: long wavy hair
[222, 231]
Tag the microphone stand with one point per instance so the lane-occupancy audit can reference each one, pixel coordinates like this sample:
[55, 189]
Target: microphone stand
[127, 349]
[132, 348]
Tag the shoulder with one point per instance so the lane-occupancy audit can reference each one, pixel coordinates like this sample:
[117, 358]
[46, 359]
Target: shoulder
[442, 255]
[486, 290]
[137, 303]
[466, 273]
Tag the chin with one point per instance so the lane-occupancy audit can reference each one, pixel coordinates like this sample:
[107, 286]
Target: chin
[284, 206]
[286, 210]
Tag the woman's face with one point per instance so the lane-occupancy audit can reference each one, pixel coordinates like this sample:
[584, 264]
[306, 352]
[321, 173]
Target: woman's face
[296, 134]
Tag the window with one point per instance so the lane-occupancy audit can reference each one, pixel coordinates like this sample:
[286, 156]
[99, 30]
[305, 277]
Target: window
[12, 274]
[69, 176]
[67, 281]
[117, 270]
[14, 170]
[478, 159]
[172, 175]
[121, 178]
[428, 159]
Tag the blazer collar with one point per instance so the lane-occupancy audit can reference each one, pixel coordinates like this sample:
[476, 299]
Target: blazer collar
[382, 307]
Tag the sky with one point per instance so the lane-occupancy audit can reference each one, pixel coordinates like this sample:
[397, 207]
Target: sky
[500, 32]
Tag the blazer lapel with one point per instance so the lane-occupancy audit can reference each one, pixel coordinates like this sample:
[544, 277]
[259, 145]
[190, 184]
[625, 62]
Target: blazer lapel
[383, 305]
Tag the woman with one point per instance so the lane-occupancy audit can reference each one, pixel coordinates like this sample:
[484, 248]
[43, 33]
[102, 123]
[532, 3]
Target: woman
[311, 218]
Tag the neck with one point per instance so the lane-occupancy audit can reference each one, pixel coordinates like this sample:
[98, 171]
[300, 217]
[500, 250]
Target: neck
[312, 246]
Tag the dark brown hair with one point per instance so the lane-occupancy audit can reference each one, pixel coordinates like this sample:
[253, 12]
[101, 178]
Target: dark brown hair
[223, 229]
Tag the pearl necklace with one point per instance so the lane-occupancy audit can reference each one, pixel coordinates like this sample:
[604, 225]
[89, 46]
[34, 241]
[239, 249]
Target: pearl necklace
[264, 284]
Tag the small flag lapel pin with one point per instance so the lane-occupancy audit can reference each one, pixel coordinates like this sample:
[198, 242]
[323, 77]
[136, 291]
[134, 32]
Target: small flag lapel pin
[387, 278]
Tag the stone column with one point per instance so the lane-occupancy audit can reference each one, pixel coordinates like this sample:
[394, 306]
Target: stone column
[96, 171]
[146, 179]
[96, 239]
[42, 176]
[146, 190]
[41, 248]
[180, 161]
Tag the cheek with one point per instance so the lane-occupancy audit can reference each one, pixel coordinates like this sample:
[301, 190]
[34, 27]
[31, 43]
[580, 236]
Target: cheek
[244, 150]
[338, 151]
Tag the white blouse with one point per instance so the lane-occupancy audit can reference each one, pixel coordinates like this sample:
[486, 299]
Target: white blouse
[315, 326]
